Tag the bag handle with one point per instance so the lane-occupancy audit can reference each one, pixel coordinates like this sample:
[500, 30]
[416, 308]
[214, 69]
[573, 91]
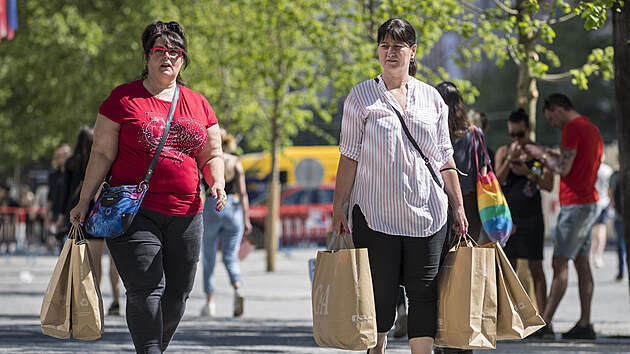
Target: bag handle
[167, 128]
[477, 135]
[340, 242]
[415, 145]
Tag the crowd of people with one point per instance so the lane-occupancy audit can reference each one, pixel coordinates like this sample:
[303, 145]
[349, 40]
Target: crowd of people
[433, 148]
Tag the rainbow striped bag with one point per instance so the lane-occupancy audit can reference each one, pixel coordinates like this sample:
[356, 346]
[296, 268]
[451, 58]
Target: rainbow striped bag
[493, 208]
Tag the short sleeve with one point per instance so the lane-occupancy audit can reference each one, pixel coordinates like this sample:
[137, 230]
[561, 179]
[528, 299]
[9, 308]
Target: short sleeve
[113, 107]
[570, 136]
[210, 114]
[352, 127]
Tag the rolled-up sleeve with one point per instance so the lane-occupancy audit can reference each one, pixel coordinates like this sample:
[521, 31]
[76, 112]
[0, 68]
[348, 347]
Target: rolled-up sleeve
[352, 127]
[443, 138]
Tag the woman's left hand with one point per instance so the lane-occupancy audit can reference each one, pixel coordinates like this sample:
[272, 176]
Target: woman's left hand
[219, 194]
[460, 223]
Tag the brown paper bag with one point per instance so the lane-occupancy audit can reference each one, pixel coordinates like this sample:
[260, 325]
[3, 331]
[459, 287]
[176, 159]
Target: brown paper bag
[55, 312]
[517, 316]
[467, 299]
[344, 316]
[87, 303]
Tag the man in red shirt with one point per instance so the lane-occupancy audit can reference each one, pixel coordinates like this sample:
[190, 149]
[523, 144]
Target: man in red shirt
[577, 164]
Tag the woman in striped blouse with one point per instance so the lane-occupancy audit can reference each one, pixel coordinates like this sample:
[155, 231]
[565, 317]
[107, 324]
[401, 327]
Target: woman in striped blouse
[398, 204]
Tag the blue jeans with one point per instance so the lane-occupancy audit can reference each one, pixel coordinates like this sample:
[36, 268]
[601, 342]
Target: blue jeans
[621, 245]
[225, 227]
[157, 261]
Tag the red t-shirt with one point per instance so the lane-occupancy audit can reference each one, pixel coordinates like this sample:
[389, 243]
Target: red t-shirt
[578, 187]
[174, 186]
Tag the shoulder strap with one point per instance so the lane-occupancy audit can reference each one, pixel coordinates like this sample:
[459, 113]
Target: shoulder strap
[167, 128]
[415, 145]
[477, 136]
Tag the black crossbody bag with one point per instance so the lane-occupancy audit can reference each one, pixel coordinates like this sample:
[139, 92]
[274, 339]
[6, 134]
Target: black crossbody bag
[449, 214]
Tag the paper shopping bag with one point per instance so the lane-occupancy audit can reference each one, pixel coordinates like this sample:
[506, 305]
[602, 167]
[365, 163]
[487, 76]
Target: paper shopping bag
[344, 316]
[87, 303]
[55, 311]
[517, 316]
[467, 299]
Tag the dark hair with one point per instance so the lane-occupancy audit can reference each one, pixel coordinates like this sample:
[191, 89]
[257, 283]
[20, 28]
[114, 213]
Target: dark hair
[519, 116]
[400, 30]
[173, 35]
[79, 159]
[457, 118]
[557, 100]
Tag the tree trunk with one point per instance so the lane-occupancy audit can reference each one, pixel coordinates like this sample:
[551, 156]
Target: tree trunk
[273, 200]
[526, 86]
[621, 35]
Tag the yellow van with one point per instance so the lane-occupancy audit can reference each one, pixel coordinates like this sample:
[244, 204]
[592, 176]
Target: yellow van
[305, 165]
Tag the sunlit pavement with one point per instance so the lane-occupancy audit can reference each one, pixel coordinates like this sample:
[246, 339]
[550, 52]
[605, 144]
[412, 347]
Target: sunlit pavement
[277, 316]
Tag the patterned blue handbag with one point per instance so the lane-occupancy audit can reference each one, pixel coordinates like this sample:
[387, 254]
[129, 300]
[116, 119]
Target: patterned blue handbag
[116, 207]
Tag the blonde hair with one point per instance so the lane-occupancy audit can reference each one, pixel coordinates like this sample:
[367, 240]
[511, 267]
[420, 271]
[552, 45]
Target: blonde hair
[228, 143]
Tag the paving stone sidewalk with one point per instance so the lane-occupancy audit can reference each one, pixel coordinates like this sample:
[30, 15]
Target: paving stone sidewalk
[277, 315]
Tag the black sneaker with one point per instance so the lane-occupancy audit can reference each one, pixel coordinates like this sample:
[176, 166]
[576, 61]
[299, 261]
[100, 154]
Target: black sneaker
[580, 332]
[545, 332]
[114, 309]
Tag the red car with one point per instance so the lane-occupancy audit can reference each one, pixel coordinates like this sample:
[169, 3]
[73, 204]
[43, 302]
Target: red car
[305, 215]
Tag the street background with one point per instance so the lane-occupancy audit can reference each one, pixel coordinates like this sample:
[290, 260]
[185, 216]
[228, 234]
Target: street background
[277, 316]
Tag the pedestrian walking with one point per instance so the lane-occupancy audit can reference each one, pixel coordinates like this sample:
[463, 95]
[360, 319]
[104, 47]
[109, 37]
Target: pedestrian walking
[397, 203]
[577, 163]
[615, 202]
[598, 244]
[462, 135]
[73, 177]
[157, 255]
[226, 229]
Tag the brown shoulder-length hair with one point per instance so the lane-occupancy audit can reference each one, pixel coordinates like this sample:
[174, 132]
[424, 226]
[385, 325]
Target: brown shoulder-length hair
[400, 30]
[172, 35]
[457, 119]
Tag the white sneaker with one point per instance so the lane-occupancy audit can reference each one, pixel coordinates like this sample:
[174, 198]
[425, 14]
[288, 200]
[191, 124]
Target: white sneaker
[238, 305]
[209, 310]
[599, 262]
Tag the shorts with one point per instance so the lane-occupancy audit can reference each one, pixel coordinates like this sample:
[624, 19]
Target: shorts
[604, 214]
[573, 232]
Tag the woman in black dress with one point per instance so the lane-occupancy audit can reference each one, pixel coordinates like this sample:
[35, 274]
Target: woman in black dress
[522, 178]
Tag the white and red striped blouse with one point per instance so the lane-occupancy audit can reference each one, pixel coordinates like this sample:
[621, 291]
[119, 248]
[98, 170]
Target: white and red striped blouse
[393, 186]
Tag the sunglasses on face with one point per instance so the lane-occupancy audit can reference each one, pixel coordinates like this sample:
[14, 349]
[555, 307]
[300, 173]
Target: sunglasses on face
[520, 134]
[172, 52]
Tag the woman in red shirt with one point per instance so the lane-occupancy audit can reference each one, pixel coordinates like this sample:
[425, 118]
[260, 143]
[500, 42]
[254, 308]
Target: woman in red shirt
[157, 255]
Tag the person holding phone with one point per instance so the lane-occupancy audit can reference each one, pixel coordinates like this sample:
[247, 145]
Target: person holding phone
[522, 177]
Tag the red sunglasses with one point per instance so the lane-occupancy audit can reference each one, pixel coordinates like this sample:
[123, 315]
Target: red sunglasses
[172, 52]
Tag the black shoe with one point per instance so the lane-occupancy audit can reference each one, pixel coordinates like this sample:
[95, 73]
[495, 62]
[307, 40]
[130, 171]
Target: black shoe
[619, 277]
[545, 332]
[579, 332]
[114, 309]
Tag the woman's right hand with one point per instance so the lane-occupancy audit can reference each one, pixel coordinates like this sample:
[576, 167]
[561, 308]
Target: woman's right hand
[340, 221]
[79, 212]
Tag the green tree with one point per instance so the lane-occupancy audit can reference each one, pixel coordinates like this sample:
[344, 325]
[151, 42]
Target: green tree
[65, 58]
[524, 32]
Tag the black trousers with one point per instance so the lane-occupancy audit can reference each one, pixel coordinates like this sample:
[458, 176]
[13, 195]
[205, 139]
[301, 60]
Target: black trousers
[410, 261]
[157, 261]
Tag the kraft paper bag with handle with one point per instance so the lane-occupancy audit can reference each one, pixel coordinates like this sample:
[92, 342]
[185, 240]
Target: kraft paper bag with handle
[87, 303]
[344, 316]
[55, 311]
[467, 298]
[517, 316]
